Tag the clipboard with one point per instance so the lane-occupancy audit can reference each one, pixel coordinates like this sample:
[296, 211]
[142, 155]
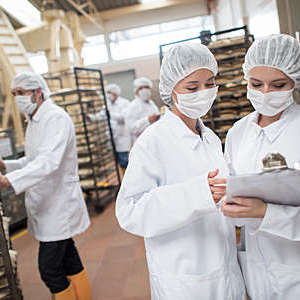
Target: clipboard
[281, 186]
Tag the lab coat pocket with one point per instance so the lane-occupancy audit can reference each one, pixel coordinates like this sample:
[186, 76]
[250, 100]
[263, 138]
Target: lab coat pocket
[38, 202]
[285, 281]
[166, 286]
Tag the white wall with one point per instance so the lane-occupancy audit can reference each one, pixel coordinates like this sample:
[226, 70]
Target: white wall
[145, 66]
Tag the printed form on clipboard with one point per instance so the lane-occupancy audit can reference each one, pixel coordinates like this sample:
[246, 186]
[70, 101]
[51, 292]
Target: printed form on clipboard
[277, 184]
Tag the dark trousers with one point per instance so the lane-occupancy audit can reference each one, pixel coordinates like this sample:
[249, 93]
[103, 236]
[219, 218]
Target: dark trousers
[122, 158]
[57, 260]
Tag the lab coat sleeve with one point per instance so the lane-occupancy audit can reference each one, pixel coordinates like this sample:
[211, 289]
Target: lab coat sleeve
[282, 221]
[15, 164]
[228, 153]
[50, 152]
[135, 124]
[148, 209]
[118, 117]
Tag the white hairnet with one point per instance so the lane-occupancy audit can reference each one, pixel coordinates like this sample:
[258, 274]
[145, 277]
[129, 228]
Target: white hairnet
[113, 88]
[31, 81]
[279, 51]
[142, 81]
[181, 61]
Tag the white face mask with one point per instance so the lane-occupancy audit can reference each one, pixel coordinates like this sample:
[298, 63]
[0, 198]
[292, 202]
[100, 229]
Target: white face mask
[111, 97]
[196, 105]
[270, 104]
[145, 94]
[25, 105]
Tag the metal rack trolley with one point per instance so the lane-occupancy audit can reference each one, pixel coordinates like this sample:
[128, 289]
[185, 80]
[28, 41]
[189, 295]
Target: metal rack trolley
[13, 205]
[98, 168]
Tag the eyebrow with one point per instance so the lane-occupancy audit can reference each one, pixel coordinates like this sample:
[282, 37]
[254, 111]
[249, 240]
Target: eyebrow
[196, 81]
[276, 80]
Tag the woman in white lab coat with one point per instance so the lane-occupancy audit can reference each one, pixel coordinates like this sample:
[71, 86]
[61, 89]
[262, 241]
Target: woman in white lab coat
[271, 262]
[166, 195]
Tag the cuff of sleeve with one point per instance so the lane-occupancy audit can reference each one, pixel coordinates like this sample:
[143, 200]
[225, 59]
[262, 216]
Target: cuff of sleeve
[147, 122]
[13, 183]
[10, 165]
[203, 198]
[266, 223]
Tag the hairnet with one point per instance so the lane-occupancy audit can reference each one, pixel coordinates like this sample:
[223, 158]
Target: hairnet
[113, 88]
[142, 81]
[181, 61]
[31, 81]
[279, 51]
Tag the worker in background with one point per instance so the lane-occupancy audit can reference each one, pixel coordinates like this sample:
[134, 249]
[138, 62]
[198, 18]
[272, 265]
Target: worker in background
[143, 111]
[271, 262]
[117, 107]
[172, 186]
[48, 173]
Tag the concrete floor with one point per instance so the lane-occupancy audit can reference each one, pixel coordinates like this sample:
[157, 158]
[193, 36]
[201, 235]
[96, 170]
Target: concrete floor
[115, 262]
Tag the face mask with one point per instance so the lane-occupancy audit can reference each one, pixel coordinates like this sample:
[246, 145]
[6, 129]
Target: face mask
[25, 105]
[111, 97]
[270, 104]
[196, 105]
[145, 94]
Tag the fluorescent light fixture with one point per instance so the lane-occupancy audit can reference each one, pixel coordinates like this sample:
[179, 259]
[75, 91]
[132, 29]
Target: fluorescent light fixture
[23, 11]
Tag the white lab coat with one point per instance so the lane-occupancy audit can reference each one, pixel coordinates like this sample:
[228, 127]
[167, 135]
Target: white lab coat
[48, 174]
[117, 110]
[271, 263]
[137, 116]
[165, 198]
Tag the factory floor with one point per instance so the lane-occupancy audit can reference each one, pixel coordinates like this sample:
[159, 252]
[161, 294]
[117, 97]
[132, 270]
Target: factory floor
[115, 262]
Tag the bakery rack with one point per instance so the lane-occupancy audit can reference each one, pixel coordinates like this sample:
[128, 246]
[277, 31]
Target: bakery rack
[13, 205]
[9, 283]
[98, 169]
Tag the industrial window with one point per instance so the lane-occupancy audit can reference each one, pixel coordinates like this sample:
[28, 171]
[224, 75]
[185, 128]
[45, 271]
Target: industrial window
[145, 40]
[23, 11]
[94, 50]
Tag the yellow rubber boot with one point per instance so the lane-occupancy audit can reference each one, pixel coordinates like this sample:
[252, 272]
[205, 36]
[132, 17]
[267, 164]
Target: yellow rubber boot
[67, 294]
[81, 285]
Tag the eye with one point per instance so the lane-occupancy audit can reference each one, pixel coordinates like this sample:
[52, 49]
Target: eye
[279, 86]
[256, 84]
[192, 89]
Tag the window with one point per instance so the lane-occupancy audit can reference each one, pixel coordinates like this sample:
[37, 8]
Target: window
[265, 22]
[94, 50]
[38, 62]
[23, 11]
[145, 40]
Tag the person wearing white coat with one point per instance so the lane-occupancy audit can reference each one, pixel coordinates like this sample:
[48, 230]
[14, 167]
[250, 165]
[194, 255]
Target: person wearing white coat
[142, 111]
[271, 260]
[117, 107]
[169, 193]
[48, 174]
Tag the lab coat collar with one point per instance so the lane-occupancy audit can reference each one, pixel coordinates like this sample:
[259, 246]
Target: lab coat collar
[273, 130]
[183, 132]
[42, 109]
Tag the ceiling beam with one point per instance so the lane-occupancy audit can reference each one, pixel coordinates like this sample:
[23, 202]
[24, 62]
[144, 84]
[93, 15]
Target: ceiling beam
[136, 8]
[98, 22]
[175, 10]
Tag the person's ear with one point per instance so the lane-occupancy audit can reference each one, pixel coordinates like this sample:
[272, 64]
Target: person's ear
[38, 94]
[174, 97]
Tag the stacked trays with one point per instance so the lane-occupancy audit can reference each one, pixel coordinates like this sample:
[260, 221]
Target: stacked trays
[9, 283]
[231, 103]
[13, 205]
[98, 171]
